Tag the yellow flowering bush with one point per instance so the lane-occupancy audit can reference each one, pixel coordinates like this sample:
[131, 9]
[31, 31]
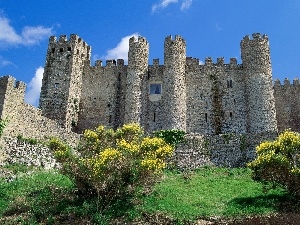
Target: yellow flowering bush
[279, 161]
[113, 163]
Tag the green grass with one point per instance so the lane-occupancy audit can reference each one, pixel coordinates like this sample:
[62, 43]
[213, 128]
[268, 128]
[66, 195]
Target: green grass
[46, 196]
[212, 192]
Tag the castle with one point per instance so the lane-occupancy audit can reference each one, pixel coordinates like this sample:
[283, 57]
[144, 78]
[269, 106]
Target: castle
[213, 98]
[226, 109]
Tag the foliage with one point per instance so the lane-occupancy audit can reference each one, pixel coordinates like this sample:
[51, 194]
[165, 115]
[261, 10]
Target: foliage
[3, 124]
[31, 141]
[172, 137]
[278, 162]
[113, 164]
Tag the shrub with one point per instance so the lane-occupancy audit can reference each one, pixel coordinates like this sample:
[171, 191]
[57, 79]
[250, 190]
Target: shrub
[172, 137]
[278, 162]
[113, 164]
[3, 124]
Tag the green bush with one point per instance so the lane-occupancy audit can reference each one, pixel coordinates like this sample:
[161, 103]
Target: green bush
[3, 124]
[278, 162]
[172, 137]
[113, 164]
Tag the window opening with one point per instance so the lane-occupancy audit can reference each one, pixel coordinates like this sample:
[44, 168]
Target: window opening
[69, 49]
[155, 89]
[109, 119]
[56, 85]
[230, 83]
[61, 49]
[154, 117]
[53, 50]
[205, 117]
[230, 114]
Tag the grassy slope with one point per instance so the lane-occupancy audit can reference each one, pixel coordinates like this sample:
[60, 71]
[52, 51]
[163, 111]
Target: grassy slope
[204, 193]
[212, 192]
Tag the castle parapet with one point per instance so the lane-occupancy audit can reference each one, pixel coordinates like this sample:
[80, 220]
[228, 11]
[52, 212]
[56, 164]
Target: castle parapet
[286, 82]
[208, 61]
[155, 62]
[220, 61]
[296, 82]
[120, 62]
[98, 63]
[233, 61]
[110, 63]
[277, 83]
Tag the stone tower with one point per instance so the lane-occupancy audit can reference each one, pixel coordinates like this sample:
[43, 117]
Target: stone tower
[174, 88]
[137, 71]
[260, 102]
[62, 79]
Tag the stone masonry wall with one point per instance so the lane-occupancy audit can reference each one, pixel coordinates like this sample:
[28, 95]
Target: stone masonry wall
[261, 112]
[174, 81]
[287, 102]
[228, 150]
[62, 79]
[102, 98]
[219, 82]
[26, 120]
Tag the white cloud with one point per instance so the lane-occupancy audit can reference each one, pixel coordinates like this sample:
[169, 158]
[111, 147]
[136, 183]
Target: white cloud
[218, 27]
[4, 62]
[29, 35]
[120, 51]
[32, 94]
[186, 4]
[162, 4]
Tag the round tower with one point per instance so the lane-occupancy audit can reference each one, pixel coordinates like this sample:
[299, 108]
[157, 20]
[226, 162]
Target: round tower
[62, 79]
[174, 90]
[137, 69]
[260, 102]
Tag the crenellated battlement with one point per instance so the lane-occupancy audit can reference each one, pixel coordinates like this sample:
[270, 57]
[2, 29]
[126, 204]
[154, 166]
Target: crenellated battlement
[139, 39]
[177, 38]
[286, 83]
[75, 45]
[256, 37]
[9, 82]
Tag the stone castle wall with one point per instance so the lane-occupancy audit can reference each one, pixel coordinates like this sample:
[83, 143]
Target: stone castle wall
[226, 150]
[211, 99]
[26, 120]
[287, 102]
[102, 97]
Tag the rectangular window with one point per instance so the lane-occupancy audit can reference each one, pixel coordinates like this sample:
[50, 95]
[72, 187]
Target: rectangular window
[155, 89]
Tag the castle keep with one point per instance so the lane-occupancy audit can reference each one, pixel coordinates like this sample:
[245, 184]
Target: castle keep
[225, 108]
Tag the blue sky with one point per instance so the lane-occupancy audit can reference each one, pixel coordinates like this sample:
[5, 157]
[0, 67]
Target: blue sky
[211, 28]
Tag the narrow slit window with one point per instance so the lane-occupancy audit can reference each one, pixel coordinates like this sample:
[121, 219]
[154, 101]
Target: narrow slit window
[230, 83]
[154, 117]
[205, 117]
[230, 115]
[61, 49]
[109, 119]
